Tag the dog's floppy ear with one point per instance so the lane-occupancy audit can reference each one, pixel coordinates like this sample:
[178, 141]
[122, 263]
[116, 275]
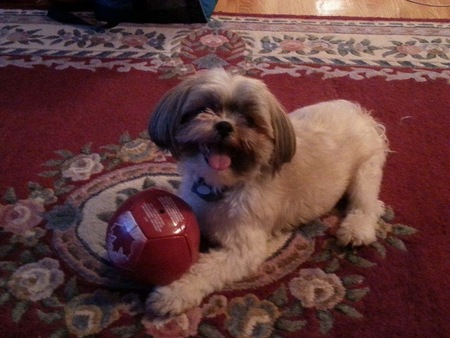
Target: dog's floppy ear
[166, 117]
[284, 135]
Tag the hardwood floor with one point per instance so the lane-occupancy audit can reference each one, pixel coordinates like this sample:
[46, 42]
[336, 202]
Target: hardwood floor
[411, 9]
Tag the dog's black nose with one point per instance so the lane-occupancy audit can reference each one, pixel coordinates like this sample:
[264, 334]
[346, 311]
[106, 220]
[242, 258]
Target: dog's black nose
[224, 128]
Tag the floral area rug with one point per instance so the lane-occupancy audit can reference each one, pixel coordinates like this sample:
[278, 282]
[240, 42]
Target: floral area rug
[74, 105]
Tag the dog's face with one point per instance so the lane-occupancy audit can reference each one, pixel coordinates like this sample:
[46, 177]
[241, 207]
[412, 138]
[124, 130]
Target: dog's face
[224, 128]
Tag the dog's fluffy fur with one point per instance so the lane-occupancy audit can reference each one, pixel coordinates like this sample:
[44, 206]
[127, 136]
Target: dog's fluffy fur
[270, 171]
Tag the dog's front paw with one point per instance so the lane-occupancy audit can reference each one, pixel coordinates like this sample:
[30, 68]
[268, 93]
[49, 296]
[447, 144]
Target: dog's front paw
[173, 299]
[357, 229]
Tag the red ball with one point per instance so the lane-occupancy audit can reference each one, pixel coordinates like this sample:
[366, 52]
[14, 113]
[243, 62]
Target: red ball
[154, 237]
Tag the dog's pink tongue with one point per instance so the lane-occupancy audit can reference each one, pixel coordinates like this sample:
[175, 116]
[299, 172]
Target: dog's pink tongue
[219, 161]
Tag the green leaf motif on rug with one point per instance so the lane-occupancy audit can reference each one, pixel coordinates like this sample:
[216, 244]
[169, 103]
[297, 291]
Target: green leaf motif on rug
[10, 196]
[325, 321]
[349, 311]
[19, 311]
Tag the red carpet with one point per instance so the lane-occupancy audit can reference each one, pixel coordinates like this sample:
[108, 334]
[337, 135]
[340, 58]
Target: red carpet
[74, 104]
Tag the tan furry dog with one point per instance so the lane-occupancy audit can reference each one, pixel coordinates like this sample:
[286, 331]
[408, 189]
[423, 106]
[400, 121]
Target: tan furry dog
[250, 170]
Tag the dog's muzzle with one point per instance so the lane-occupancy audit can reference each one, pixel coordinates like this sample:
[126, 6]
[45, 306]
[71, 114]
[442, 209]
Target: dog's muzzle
[215, 155]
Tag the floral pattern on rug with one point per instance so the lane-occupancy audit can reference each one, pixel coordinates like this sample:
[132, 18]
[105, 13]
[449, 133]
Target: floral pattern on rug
[252, 46]
[52, 271]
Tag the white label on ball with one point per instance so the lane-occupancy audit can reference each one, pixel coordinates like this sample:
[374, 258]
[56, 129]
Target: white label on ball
[125, 240]
[127, 221]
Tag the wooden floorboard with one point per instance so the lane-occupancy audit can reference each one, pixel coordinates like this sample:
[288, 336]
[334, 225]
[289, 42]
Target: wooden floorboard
[408, 9]
[417, 9]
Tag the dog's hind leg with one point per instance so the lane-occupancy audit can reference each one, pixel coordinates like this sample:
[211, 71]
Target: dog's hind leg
[364, 209]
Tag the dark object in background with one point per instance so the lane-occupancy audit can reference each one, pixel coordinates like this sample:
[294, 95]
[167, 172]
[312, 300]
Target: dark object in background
[71, 5]
[162, 11]
[141, 11]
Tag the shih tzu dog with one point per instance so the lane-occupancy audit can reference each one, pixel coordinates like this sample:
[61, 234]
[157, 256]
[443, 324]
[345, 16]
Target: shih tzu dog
[250, 171]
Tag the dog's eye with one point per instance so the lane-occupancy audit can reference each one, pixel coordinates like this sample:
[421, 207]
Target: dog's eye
[250, 121]
[191, 114]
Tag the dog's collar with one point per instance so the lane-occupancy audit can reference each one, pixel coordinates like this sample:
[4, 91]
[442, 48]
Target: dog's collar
[206, 192]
